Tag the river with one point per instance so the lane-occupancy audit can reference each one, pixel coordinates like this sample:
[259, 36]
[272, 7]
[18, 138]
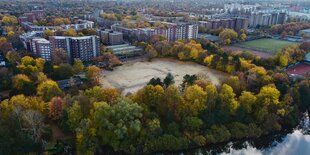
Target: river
[296, 142]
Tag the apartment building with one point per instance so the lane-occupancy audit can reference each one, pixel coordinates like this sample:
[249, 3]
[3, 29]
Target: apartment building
[84, 48]
[42, 48]
[267, 18]
[110, 37]
[32, 16]
[82, 24]
[231, 23]
[172, 31]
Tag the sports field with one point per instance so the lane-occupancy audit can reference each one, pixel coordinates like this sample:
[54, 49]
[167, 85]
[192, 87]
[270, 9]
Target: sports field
[266, 45]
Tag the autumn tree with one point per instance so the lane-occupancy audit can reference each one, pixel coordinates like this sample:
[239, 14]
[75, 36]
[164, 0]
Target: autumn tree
[227, 99]
[31, 66]
[78, 66]
[242, 36]
[13, 57]
[9, 20]
[151, 96]
[194, 97]
[151, 52]
[59, 56]
[93, 74]
[70, 32]
[48, 89]
[237, 85]
[228, 35]
[55, 108]
[23, 84]
[48, 33]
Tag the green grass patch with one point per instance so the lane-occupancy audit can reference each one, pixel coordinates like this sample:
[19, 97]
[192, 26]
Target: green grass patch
[266, 45]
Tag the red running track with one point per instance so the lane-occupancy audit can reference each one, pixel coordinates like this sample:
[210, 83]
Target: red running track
[300, 69]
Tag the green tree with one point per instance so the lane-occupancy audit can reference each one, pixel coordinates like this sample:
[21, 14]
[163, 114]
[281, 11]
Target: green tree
[118, 125]
[63, 71]
[169, 79]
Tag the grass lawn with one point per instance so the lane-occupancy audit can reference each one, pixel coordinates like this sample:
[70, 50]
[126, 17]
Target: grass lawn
[267, 45]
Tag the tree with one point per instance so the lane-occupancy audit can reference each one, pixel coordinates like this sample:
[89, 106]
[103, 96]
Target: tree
[48, 67]
[27, 64]
[194, 97]
[33, 122]
[150, 96]
[247, 101]
[78, 66]
[9, 20]
[59, 56]
[218, 133]
[13, 57]
[20, 81]
[75, 116]
[99, 94]
[283, 34]
[48, 89]
[55, 108]
[283, 60]
[60, 21]
[70, 32]
[227, 99]
[151, 52]
[227, 35]
[169, 79]
[63, 71]
[23, 84]
[188, 80]
[268, 95]
[118, 125]
[48, 33]
[237, 85]
[172, 100]
[155, 82]
[93, 74]
[242, 37]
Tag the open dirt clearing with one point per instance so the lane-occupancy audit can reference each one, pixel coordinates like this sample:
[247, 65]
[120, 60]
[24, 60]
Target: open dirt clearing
[132, 76]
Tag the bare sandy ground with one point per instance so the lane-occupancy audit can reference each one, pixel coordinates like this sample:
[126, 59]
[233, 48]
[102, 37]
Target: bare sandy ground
[132, 76]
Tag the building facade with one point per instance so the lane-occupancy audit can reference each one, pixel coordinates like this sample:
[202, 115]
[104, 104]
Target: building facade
[42, 48]
[32, 16]
[172, 31]
[82, 24]
[84, 48]
[267, 18]
[110, 37]
[231, 23]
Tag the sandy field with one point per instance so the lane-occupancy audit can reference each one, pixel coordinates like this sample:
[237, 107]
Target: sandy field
[134, 75]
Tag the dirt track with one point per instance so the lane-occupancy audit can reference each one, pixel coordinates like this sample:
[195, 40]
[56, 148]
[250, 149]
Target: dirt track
[254, 52]
[134, 75]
